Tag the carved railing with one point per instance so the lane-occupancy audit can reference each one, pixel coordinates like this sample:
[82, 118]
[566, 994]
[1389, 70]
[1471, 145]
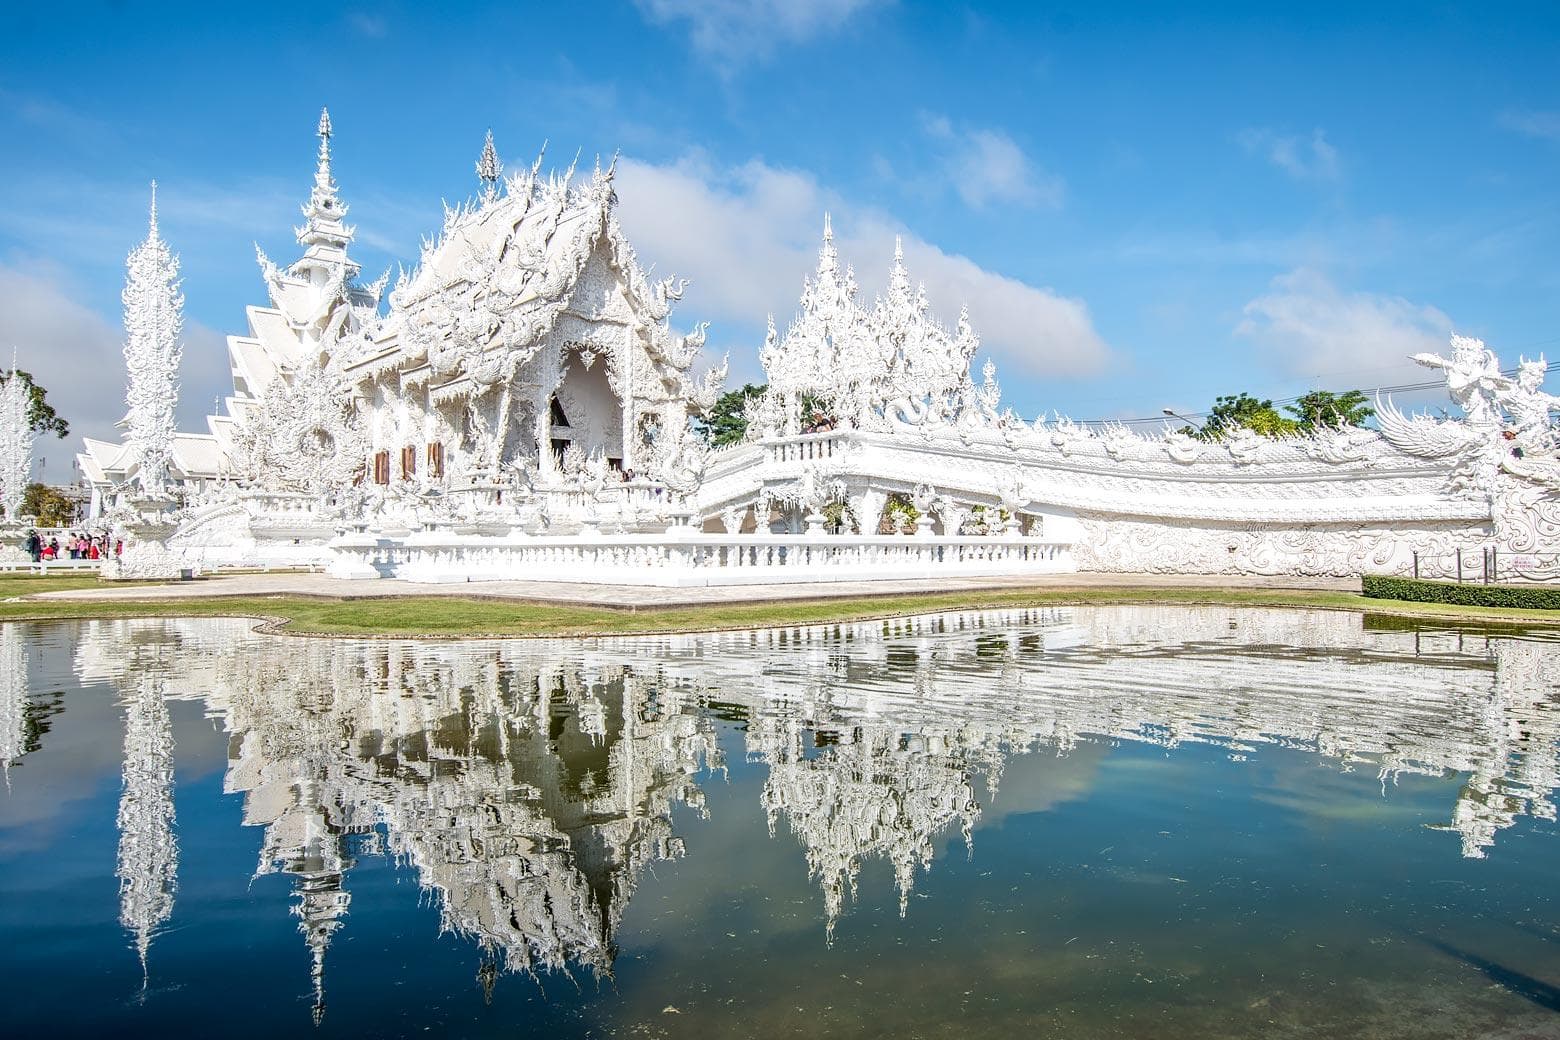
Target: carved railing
[698, 559]
[283, 503]
[638, 496]
[808, 447]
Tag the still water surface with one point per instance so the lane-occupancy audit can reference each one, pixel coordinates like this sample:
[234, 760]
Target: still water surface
[1199, 822]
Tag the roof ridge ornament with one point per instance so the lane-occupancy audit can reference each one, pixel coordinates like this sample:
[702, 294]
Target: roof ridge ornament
[828, 256]
[489, 168]
[322, 177]
[324, 211]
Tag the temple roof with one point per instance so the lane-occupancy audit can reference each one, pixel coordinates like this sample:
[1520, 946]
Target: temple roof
[507, 267]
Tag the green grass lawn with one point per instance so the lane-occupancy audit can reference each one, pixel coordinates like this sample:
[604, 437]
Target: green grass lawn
[459, 616]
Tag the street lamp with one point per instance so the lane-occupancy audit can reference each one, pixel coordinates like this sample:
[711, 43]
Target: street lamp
[1172, 414]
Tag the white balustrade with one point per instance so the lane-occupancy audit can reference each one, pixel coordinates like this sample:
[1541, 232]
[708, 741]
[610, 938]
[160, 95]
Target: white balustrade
[809, 447]
[693, 559]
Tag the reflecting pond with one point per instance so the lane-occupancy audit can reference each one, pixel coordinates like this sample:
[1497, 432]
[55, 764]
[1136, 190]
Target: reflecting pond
[1085, 822]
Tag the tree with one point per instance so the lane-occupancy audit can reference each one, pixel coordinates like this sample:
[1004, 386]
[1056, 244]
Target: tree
[50, 507]
[1231, 412]
[727, 421]
[1323, 408]
[41, 415]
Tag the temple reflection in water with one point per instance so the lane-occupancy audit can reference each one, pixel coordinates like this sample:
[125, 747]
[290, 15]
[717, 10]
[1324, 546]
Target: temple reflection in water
[530, 784]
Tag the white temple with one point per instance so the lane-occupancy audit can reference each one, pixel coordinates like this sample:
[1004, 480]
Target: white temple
[521, 410]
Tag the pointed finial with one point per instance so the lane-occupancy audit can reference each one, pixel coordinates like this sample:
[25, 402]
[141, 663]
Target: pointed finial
[153, 217]
[489, 168]
[322, 172]
[899, 248]
[828, 229]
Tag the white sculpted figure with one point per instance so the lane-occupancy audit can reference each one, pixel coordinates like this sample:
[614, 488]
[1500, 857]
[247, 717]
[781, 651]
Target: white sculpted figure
[1508, 423]
[1529, 406]
[1472, 378]
[304, 435]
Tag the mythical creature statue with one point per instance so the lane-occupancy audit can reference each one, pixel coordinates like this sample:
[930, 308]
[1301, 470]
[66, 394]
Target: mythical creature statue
[1472, 378]
[1529, 406]
[1507, 425]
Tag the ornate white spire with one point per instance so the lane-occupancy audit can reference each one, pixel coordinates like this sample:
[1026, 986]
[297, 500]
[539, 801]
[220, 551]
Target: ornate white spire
[322, 903]
[828, 256]
[148, 868]
[489, 168]
[154, 323]
[324, 210]
[886, 367]
[16, 442]
[898, 277]
[13, 698]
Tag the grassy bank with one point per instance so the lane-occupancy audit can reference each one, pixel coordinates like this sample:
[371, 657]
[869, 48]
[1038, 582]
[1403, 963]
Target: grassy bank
[451, 616]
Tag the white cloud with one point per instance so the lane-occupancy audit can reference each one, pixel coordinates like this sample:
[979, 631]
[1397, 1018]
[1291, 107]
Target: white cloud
[372, 26]
[731, 31]
[76, 354]
[1310, 158]
[987, 166]
[1543, 125]
[747, 235]
[1313, 328]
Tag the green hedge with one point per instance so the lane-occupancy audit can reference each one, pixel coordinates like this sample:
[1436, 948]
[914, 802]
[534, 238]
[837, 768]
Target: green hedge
[1524, 597]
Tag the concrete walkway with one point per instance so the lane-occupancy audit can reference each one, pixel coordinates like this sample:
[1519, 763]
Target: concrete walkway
[635, 596]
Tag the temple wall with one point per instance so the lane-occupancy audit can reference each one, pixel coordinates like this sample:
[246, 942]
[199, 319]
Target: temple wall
[1145, 545]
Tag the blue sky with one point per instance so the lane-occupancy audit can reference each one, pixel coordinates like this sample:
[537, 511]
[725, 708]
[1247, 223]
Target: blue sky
[1141, 207]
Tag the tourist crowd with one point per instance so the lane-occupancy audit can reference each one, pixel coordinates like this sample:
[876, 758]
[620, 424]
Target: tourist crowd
[77, 546]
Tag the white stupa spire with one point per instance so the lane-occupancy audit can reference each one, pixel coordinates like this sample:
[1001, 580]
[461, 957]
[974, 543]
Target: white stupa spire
[828, 256]
[13, 698]
[898, 277]
[148, 866]
[324, 234]
[16, 442]
[154, 324]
